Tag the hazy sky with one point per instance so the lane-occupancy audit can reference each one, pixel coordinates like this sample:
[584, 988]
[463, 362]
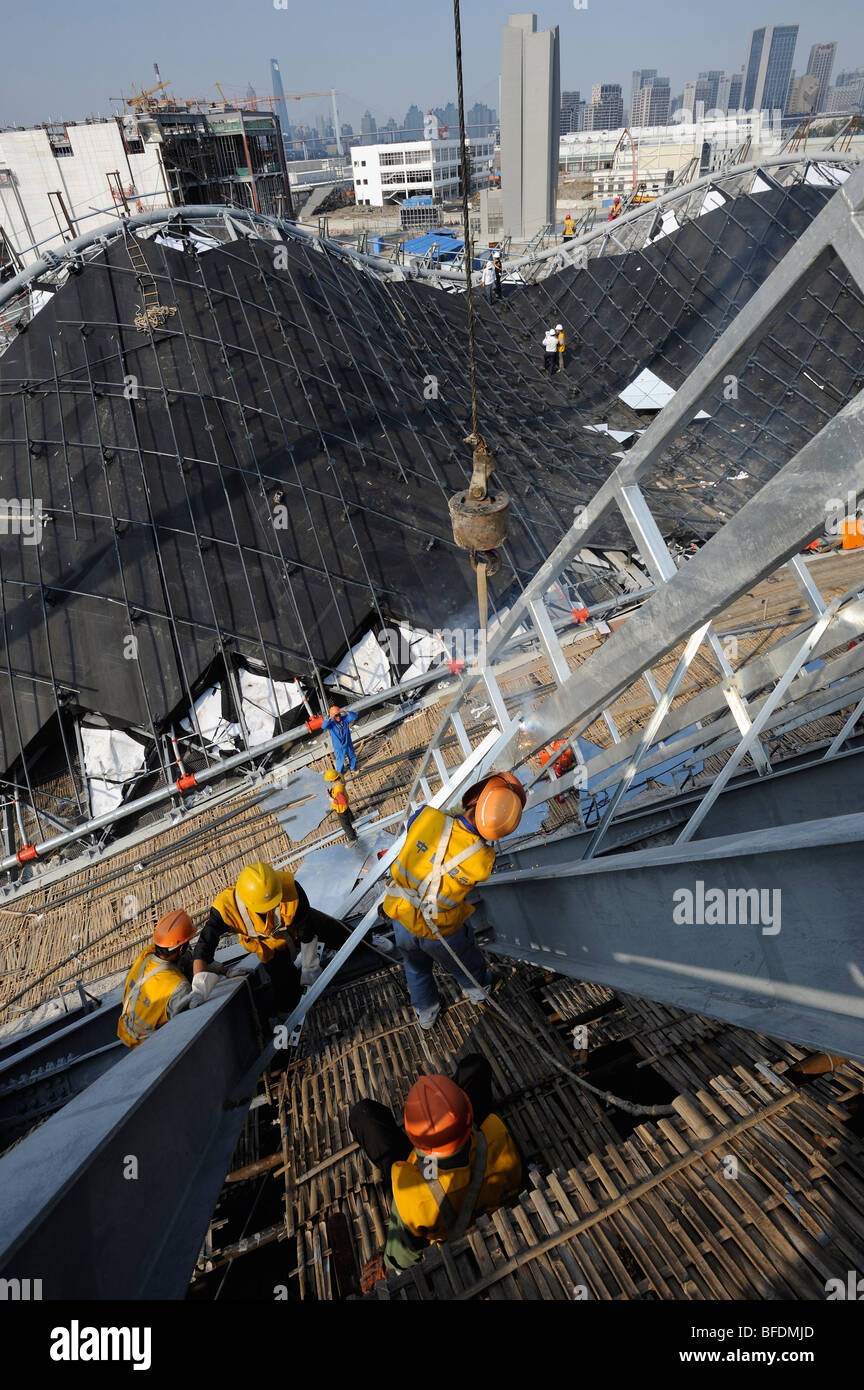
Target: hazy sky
[59, 61]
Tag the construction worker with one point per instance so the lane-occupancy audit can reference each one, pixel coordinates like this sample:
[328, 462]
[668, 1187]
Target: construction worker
[340, 734]
[559, 330]
[339, 804]
[615, 210]
[550, 350]
[272, 917]
[488, 278]
[442, 858]
[454, 1160]
[569, 226]
[158, 982]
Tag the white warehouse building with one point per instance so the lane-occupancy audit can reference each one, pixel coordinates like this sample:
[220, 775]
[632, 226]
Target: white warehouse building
[383, 173]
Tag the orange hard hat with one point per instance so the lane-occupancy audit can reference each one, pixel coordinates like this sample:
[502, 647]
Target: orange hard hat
[334, 710]
[499, 806]
[173, 930]
[438, 1116]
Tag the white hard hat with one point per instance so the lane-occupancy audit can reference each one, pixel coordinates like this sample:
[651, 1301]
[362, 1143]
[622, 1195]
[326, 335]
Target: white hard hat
[559, 328]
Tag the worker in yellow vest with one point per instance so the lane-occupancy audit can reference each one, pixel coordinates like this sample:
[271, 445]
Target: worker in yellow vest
[339, 804]
[569, 226]
[454, 1160]
[158, 982]
[272, 917]
[442, 858]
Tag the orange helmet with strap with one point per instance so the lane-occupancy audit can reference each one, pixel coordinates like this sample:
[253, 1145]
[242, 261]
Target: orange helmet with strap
[438, 1116]
[173, 930]
[496, 804]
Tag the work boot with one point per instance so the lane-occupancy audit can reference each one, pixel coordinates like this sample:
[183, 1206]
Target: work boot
[427, 1018]
[477, 996]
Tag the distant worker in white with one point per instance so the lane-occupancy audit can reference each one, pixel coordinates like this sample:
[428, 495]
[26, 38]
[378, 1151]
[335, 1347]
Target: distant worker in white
[488, 280]
[442, 858]
[550, 350]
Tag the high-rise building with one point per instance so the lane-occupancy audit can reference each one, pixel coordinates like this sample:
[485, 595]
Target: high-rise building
[803, 94]
[729, 88]
[606, 109]
[368, 129]
[479, 120]
[530, 118]
[641, 78]
[389, 131]
[819, 64]
[769, 66]
[847, 95]
[651, 103]
[572, 107]
[697, 96]
[279, 106]
[412, 126]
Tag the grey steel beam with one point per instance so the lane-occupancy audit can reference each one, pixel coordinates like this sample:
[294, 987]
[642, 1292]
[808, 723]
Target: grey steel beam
[794, 973]
[111, 1197]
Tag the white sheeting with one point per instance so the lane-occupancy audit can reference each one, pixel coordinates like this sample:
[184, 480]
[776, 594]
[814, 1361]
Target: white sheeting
[760, 186]
[364, 670]
[424, 649]
[619, 435]
[647, 392]
[668, 223]
[110, 758]
[712, 200]
[263, 701]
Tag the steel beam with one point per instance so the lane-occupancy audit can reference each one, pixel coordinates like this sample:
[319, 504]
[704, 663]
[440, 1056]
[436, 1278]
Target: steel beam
[111, 1197]
[794, 973]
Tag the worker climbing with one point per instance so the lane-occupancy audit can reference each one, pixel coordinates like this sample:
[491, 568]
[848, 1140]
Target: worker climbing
[273, 918]
[442, 858]
[159, 980]
[454, 1160]
[337, 726]
[339, 804]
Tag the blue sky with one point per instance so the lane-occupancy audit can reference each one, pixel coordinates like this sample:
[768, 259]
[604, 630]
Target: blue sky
[64, 62]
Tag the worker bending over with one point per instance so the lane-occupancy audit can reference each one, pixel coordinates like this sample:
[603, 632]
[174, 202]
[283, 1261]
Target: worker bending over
[272, 917]
[454, 1160]
[337, 725]
[339, 804]
[158, 982]
[442, 858]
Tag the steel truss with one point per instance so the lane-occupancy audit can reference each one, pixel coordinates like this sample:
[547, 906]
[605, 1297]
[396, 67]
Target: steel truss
[770, 693]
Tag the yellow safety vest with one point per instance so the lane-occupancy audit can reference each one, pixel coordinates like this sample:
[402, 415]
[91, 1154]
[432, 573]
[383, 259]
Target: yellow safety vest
[149, 985]
[274, 933]
[561, 343]
[438, 865]
[338, 796]
[430, 1208]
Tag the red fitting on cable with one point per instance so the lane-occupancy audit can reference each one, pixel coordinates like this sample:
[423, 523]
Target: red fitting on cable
[314, 723]
[28, 852]
[186, 782]
[455, 666]
[580, 614]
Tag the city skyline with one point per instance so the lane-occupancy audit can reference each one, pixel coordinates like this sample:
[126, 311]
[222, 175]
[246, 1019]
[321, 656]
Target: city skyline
[199, 46]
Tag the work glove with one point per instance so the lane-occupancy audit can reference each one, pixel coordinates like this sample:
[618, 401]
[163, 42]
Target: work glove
[372, 1271]
[310, 964]
[203, 985]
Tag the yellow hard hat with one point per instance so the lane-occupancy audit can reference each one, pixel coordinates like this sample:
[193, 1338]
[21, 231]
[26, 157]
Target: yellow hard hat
[331, 775]
[259, 887]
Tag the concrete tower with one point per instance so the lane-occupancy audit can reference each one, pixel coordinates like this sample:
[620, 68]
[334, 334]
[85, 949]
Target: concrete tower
[530, 117]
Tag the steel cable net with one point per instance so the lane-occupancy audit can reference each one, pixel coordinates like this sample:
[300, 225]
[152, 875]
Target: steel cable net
[261, 472]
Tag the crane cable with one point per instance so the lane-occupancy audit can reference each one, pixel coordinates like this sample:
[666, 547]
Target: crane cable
[475, 438]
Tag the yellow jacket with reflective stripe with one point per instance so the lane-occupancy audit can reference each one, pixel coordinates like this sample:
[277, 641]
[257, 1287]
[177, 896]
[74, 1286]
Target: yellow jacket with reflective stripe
[414, 865]
[149, 986]
[416, 1204]
[268, 940]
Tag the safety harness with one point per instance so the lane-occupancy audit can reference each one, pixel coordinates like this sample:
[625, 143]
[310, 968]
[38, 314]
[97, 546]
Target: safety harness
[457, 1223]
[425, 899]
[136, 1026]
[278, 930]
